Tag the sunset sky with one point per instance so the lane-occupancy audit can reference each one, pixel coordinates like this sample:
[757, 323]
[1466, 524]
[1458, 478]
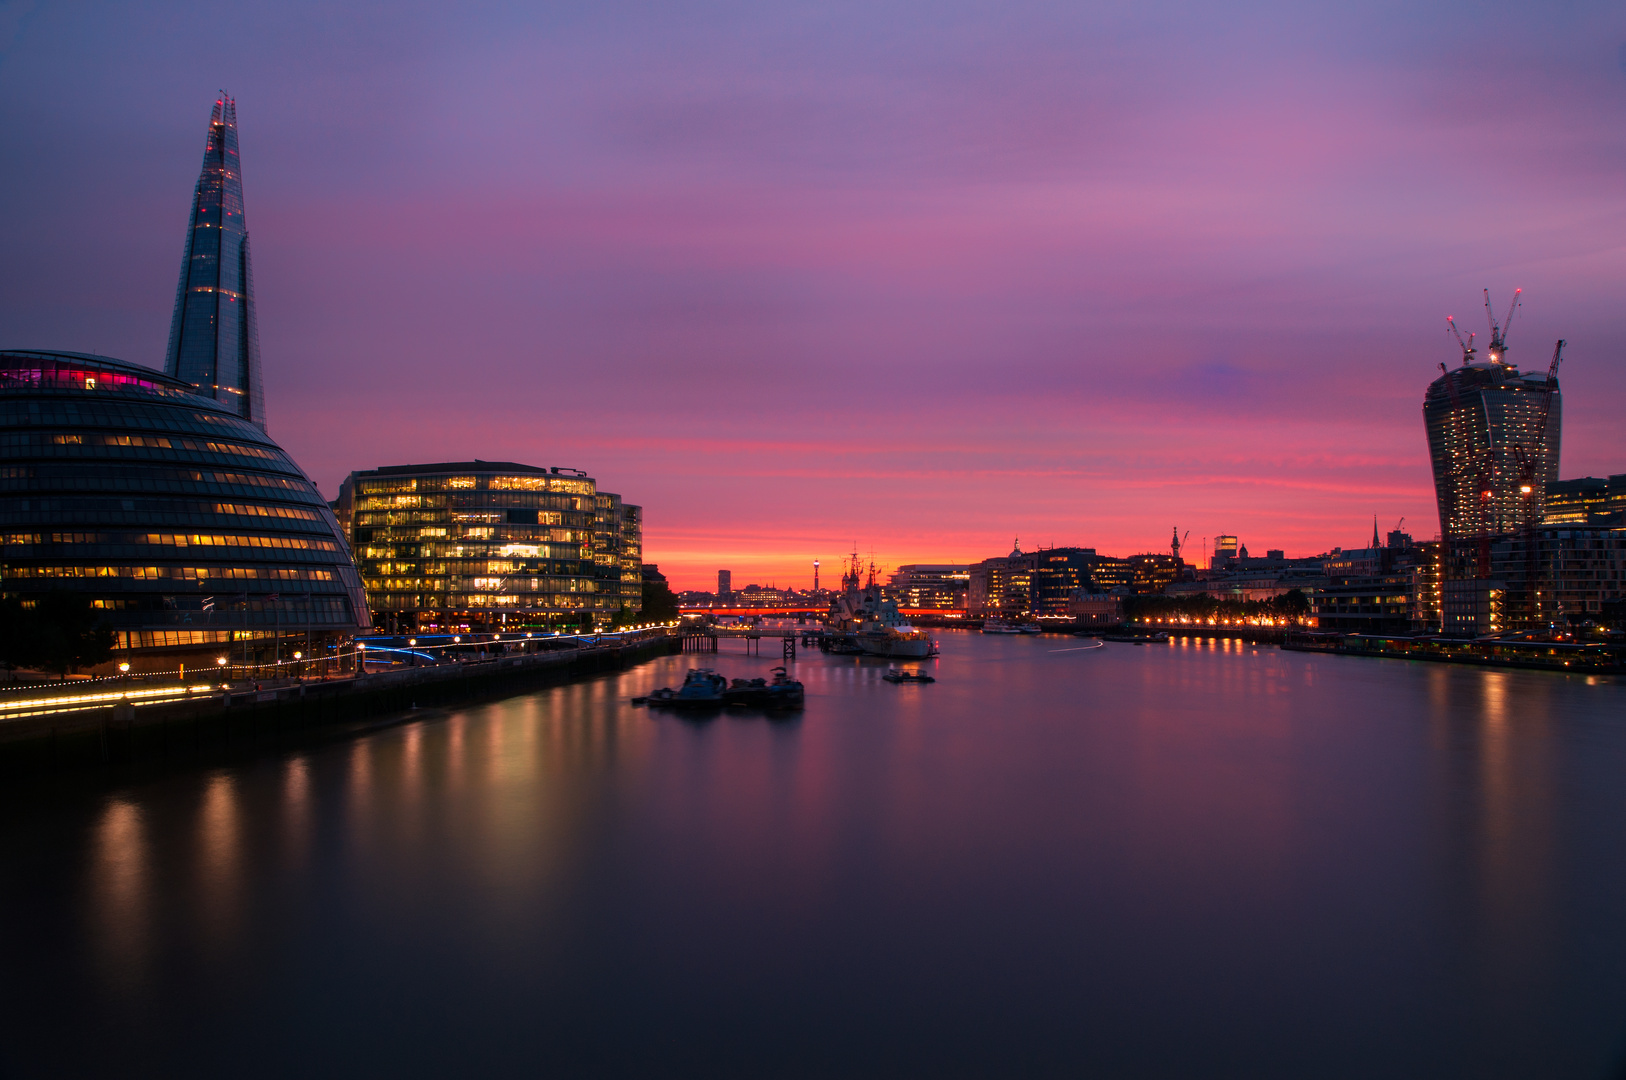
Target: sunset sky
[919, 277]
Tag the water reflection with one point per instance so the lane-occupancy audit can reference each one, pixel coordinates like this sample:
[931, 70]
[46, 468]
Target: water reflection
[220, 862]
[1108, 856]
[119, 892]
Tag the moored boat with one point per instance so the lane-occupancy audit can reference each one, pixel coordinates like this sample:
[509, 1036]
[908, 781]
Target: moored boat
[702, 688]
[862, 619]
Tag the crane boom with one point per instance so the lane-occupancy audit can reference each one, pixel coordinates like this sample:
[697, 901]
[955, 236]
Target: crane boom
[1467, 346]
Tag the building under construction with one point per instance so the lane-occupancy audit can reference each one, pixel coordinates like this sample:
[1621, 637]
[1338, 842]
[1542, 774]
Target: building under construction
[1493, 439]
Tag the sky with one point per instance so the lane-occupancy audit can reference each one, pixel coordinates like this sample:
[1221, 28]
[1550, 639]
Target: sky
[915, 278]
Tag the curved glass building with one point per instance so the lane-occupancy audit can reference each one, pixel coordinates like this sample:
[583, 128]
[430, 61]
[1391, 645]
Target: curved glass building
[182, 520]
[1493, 442]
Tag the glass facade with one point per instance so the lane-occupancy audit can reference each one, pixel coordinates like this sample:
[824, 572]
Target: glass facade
[1491, 452]
[184, 523]
[214, 344]
[492, 546]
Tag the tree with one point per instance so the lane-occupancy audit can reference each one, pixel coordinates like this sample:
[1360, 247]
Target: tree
[660, 603]
[66, 633]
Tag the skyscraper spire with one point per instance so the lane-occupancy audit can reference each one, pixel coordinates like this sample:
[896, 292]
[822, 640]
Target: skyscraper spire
[1375, 543]
[214, 343]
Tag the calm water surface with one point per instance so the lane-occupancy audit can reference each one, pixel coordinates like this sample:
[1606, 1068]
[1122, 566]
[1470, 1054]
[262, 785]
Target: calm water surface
[1198, 859]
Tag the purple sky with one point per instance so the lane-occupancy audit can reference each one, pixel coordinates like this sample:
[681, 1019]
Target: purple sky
[922, 277]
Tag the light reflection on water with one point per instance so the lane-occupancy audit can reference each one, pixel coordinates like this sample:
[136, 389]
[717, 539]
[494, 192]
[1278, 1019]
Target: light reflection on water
[1191, 858]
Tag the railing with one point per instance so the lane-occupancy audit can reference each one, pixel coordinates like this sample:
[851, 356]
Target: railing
[41, 699]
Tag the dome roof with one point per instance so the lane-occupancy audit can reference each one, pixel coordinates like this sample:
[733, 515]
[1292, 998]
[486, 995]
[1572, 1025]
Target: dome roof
[180, 519]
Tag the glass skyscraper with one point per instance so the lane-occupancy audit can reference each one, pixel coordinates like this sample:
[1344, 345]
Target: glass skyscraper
[1493, 441]
[213, 342]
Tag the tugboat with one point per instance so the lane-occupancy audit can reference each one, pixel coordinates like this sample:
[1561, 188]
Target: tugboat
[862, 620]
[702, 689]
[783, 693]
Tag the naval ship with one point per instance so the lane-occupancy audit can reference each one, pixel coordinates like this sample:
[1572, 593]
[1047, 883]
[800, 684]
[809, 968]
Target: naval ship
[862, 620]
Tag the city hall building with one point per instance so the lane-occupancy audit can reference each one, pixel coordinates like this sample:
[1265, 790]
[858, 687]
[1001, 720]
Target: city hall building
[492, 546]
[186, 526]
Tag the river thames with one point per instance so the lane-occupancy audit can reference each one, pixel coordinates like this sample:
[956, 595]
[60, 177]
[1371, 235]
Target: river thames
[1201, 858]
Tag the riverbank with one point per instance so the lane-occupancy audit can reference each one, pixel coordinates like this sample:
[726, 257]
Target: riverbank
[201, 720]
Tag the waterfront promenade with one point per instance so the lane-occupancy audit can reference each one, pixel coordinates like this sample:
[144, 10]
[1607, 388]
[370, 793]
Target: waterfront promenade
[51, 726]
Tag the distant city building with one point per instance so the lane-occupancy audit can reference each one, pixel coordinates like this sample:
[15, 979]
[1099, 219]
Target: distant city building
[187, 527]
[488, 545]
[761, 596]
[1585, 500]
[725, 584]
[1044, 582]
[1096, 609]
[933, 586]
[214, 342]
[1225, 548]
[1150, 574]
[999, 584]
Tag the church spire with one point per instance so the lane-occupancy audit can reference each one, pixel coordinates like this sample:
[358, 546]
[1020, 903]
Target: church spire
[1375, 542]
[214, 343]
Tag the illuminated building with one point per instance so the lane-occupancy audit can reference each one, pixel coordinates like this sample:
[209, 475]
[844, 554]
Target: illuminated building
[1150, 574]
[494, 545]
[181, 520]
[1042, 582]
[214, 343]
[1493, 443]
[1584, 500]
[1473, 607]
[934, 586]
[725, 585]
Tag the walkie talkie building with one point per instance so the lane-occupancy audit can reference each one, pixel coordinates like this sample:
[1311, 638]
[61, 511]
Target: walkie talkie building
[213, 342]
[1493, 441]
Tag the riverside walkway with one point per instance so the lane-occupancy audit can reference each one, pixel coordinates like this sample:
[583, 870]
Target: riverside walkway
[49, 726]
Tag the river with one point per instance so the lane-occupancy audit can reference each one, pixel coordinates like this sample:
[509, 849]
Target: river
[1202, 858]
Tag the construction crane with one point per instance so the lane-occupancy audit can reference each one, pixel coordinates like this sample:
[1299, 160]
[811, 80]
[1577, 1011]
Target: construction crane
[1467, 346]
[1498, 344]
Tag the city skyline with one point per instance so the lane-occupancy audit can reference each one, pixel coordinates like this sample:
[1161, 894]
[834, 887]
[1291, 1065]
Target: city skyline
[926, 284]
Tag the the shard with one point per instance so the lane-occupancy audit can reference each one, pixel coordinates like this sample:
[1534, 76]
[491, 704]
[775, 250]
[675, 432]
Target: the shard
[213, 341]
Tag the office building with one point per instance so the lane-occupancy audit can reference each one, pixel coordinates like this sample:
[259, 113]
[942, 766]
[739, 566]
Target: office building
[1150, 574]
[725, 585]
[1000, 585]
[185, 525]
[930, 586]
[1585, 500]
[1493, 442]
[214, 343]
[493, 546]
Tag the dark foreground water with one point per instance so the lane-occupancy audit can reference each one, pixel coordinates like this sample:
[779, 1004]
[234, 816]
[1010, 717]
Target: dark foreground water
[1197, 859]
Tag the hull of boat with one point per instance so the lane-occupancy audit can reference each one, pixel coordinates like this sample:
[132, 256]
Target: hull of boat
[896, 648]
